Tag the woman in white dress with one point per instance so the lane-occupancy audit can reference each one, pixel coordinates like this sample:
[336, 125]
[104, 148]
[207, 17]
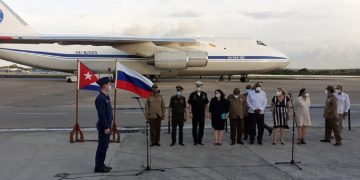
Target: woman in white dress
[302, 114]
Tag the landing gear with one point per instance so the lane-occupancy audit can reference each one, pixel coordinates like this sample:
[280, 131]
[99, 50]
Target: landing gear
[153, 78]
[244, 78]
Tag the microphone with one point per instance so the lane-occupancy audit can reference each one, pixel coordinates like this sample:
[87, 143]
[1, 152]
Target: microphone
[135, 97]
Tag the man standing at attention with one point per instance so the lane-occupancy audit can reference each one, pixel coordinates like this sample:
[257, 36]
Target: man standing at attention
[105, 116]
[198, 102]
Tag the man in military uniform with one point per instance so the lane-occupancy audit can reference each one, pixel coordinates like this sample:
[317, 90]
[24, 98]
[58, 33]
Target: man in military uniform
[155, 113]
[177, 111]
[105, 116]
[237, 104]
[198, 102]
[331, 117]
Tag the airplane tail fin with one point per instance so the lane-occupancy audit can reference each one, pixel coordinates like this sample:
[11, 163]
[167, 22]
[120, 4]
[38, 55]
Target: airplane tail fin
[11, 23]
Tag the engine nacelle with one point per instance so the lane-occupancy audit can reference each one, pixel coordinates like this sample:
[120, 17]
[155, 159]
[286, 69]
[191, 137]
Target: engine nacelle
[179, 60]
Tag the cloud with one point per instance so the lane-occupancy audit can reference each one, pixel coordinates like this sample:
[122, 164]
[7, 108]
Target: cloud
[186, 14]
[267, 14]
[180, 29]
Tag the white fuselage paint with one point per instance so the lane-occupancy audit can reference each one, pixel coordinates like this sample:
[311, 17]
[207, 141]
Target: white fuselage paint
[226, 57]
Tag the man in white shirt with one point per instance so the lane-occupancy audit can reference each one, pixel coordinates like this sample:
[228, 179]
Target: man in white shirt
[256, 101]
[343, 105]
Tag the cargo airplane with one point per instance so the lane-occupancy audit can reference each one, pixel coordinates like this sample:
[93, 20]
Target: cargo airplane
[151, 56]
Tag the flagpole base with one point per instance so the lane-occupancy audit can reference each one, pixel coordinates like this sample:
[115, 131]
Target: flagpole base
[75, 133]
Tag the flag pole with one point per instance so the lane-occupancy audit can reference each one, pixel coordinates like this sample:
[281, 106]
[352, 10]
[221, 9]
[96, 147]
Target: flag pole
[76, 129]
[114, 131]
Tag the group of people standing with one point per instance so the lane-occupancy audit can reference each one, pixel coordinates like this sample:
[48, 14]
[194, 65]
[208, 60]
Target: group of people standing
[244, 110]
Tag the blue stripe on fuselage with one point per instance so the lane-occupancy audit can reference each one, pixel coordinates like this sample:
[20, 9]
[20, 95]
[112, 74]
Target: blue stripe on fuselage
[124, 56]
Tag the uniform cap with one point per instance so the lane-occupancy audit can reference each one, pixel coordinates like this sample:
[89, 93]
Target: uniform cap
[198, 83]
[179, 88]
[102, 81]
[154, 86]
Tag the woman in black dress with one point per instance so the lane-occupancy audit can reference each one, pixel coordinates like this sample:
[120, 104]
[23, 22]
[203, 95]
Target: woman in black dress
[218, 109]
[280, 110]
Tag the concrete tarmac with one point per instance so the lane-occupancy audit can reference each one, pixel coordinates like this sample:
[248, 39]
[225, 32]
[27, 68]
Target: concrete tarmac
[46, 104]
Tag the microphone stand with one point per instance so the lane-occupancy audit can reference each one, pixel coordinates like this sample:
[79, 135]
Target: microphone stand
[148, 156]
[292, 162]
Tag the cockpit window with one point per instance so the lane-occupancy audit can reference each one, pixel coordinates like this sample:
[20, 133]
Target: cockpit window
[260, 43]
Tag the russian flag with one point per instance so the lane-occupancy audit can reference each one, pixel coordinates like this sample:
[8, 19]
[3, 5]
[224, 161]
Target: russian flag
[132, 81]
[86, 78]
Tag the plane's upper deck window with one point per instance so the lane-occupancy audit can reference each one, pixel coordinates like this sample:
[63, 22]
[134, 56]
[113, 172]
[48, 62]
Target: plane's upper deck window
[260, 43]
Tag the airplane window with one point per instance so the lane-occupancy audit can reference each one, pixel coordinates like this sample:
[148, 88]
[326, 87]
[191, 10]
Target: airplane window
[260, 43]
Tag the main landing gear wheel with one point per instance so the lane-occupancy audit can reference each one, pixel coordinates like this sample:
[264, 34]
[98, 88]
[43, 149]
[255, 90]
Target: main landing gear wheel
[153, 78]
[244, 78]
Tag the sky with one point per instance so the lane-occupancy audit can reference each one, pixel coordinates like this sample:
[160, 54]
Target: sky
[314, 34]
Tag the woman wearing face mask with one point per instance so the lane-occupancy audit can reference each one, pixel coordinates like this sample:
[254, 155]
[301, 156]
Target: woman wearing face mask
[302, 114]
[218, 109]
[280, 110]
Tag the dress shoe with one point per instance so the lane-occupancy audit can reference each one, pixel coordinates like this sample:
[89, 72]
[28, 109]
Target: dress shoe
[152, 145]
[101, 170]
[303, 141]
[108, 168]
[240, 142]
[337, 144]
[157, 144]
[251, 142]
[324, 140]
[172, 144]
[195, 143]
[232, 143]
[260, 143]
[181, 144]
[274, 143]
[201, 143]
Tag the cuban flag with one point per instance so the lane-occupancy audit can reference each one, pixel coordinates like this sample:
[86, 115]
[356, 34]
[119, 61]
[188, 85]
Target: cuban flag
[86, 78]
[132, 81]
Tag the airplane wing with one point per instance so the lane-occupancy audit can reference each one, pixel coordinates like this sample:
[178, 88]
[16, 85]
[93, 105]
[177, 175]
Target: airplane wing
[93, 40]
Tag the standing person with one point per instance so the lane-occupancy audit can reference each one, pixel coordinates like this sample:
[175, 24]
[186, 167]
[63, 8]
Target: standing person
[105, 116]
[248, 88]
[330, 115]
[343, 105]
[302, 114]
[177, 111]
[280, 111]
[218, 109]
[155, 113]
[198, 102]
[256, 101]
[237, 109]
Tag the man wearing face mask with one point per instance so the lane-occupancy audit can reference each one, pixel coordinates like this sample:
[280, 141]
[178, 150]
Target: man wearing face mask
[330, 115]
[237, 106]
[155, 112]
[256, 101]
[177, 111]
[105, 116]
[198, 102]
[343, 105]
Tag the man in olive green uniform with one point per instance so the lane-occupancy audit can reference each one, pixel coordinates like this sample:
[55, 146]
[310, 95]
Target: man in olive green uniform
[237, 104]
[155, 112]
[177, 111]
[330, 115]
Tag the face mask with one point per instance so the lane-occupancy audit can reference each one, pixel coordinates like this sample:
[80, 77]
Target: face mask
[178, 93]
[337, 91]
[110, 87]
[198, 89]
[217, 95]
[236, 96]
[258, 89]
[307, 94]
[278, 93]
